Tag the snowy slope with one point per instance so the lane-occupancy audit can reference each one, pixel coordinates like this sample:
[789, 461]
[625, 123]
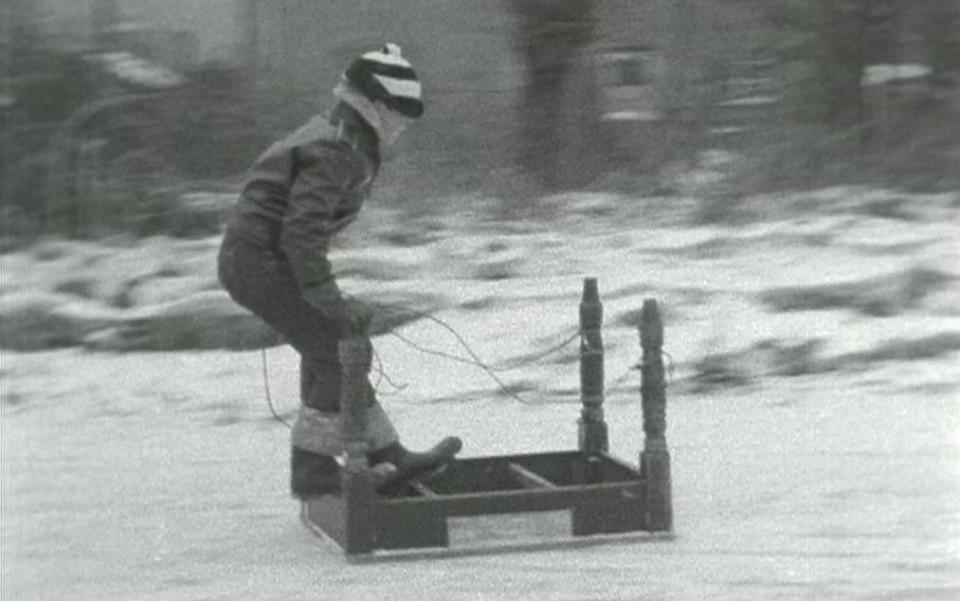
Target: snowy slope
[812, 459]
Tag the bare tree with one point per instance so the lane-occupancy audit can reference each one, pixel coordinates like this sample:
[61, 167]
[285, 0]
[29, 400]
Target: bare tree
[837, 39]
[550, 36]
[105, 14]
[941, 29]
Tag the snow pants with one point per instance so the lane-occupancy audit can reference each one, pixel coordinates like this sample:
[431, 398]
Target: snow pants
[261, 280]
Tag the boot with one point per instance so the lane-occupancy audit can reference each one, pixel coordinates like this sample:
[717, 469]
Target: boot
[312, 474]
[411, 465]
[315, 474]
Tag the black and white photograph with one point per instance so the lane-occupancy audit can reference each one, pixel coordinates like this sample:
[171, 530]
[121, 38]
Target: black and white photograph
[470, 300]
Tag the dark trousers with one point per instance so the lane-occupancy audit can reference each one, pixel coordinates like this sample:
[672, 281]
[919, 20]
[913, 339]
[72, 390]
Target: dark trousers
[261, 280]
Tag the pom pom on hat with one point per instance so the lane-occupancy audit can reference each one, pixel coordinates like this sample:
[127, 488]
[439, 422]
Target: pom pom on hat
[386, 76]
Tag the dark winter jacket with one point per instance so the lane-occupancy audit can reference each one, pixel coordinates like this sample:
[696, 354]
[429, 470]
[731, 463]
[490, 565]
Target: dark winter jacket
[304, 189]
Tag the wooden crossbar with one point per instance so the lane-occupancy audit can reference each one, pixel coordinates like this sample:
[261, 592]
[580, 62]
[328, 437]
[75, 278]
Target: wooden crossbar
[515, 501]
[422, 489]
[527, 478]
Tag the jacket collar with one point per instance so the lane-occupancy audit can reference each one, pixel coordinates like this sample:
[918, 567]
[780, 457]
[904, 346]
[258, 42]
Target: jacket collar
[350, 117]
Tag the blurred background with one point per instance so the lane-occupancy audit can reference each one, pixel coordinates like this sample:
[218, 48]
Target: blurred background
[113, 112]
[782, 175]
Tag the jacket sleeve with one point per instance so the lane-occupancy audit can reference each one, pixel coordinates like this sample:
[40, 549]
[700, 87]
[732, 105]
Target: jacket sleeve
[321, 195]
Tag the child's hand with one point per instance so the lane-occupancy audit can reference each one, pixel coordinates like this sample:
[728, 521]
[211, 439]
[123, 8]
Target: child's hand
[353, 318]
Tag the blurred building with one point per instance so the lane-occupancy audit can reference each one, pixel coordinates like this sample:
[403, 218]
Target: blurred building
[178, 33]
[659, 75]
[654, 70]
[637, 88]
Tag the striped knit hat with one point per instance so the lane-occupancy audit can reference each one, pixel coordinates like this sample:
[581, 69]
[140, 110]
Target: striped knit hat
[386, 76]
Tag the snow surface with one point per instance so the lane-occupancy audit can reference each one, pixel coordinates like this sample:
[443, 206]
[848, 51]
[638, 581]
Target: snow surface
[163, 476]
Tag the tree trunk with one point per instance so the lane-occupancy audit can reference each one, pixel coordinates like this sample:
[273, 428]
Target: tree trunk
[550, 37]
[105, 16]
[842, 59]
[942, 38]
[250, 35]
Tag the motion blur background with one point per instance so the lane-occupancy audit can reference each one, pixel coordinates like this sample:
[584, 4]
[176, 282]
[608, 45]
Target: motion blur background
[114, 111]
[783, 176]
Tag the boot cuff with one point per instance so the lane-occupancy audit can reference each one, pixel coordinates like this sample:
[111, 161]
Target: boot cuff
[322, 431]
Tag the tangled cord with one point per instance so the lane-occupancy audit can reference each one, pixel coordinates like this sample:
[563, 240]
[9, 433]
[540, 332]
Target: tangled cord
[266, 390]
[473, 359]
[671, 368]
[385, 377]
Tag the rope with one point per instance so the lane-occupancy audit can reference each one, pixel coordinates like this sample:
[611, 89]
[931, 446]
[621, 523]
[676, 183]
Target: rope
[474, 360]
[384, 376]
[640, 364]
[427, 351]
[530, 359]
[266, 389]
[670, 366]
